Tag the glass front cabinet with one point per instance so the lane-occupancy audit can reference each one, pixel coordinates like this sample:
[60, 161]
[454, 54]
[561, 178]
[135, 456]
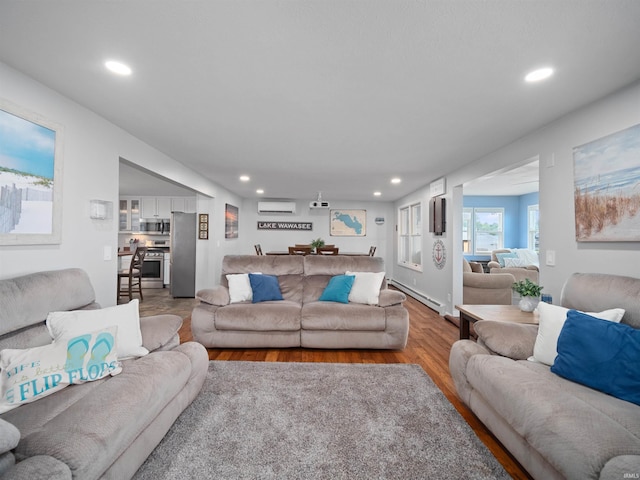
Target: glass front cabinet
[129, 214]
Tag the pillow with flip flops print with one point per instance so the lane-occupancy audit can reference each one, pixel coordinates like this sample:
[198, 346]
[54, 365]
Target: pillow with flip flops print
[27, 375]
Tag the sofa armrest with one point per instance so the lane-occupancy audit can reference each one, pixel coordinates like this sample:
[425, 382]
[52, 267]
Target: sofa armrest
[159, 330]
[513, 340]
[388, 298]
[9, 436]
[218, 295]
[622, 466]
[38, 467]
[493, 264]
[461, 352]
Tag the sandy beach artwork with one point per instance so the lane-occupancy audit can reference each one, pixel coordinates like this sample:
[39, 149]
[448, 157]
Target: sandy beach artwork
[27, 171]
[607, 188]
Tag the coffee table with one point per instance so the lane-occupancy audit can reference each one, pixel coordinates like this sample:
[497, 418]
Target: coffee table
[500, 313]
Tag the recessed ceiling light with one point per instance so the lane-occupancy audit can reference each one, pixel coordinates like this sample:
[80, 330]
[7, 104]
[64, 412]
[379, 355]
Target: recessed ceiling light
[539, 74]
[244, 178]
[396, 180]
[259, 191]
[118, 67]
[377, 194]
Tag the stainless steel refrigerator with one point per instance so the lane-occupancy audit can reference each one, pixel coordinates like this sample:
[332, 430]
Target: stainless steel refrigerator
[183, 254]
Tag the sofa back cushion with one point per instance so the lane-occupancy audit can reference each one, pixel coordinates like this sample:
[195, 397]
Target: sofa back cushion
[593, 292]
[27, 300]
[287, 268]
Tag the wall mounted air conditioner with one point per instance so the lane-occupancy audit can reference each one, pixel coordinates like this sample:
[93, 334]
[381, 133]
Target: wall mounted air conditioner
[276, 207]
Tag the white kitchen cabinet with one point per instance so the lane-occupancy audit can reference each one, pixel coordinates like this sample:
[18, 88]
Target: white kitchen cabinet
[155, 207]
[164, 207]
[183, 204]
[190, 205]
[129, 214]
[178, 204]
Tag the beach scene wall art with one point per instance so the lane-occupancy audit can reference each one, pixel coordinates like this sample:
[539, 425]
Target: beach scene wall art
[607, 188]
[30, 169]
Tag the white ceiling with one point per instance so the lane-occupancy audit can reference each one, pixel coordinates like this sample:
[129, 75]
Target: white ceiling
[516, 181]
[335, 96]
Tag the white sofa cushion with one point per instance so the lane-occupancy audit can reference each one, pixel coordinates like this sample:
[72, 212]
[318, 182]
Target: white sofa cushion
[126, 317]
[366, 287]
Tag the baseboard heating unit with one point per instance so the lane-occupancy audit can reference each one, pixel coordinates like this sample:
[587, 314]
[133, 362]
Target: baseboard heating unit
[422, 298]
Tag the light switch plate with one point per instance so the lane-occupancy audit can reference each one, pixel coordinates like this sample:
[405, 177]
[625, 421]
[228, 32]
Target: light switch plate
[551, 257]
[106, 253]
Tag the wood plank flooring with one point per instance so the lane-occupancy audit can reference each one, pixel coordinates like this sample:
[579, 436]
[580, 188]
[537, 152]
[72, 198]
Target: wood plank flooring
[430, 340]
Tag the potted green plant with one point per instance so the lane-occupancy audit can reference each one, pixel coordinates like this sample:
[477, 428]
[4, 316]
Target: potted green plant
[318, 242]
[529, 293]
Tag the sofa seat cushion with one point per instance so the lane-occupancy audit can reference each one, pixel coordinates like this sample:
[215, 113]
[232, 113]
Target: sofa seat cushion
[88, 436]
[282, 315]
[338, 316]
[577, 429]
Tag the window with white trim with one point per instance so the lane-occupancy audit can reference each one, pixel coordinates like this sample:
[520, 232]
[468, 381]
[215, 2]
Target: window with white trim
[533, 227]
[410, 236]
[488, 230]
[467, 230]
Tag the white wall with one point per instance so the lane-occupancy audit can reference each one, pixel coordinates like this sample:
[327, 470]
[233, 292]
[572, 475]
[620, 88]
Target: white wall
[92, 149]
[379, 235]
[554, 144]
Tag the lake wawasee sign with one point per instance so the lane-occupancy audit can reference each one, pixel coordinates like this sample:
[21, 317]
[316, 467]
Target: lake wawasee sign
[285, 225]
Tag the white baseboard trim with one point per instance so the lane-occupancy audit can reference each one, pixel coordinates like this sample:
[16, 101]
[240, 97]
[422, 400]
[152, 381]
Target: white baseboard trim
[432, 303]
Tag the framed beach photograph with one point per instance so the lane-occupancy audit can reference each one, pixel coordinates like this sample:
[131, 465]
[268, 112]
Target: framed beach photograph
[607, 188]
[230, 221]
[30, 177]
[348, 223]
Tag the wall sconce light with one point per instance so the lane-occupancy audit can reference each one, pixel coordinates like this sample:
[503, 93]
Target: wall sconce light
[100, 209]
[379, 220]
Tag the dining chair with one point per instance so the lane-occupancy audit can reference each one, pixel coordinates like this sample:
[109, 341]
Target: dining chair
[134, 274]
[372, 251]
[300, 250]
[258, 249]
[327, 250]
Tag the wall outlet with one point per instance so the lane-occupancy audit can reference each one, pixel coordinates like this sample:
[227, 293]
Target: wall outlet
[414, 282]
[448, 297]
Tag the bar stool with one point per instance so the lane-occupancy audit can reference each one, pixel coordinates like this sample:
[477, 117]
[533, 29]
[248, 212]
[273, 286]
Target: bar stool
[134, 274]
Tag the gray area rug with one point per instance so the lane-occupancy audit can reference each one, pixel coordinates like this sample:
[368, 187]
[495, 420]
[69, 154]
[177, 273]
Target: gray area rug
[262, 420]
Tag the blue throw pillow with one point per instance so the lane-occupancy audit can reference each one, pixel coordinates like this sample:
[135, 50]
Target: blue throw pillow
[264, 288]
[338, 289]
[600, 354]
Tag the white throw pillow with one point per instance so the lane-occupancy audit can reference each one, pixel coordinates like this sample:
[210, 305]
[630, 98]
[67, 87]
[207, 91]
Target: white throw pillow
[366, 287]
[31, 374]
[551, 320]
[240, 287]
[515, 262]
[125, 317]
[529, 257]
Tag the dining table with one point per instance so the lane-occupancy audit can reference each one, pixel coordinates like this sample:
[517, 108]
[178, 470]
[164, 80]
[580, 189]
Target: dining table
[352, 254]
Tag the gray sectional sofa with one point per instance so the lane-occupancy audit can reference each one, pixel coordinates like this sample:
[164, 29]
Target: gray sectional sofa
[300, 319]
[100, 429]
[556, 428]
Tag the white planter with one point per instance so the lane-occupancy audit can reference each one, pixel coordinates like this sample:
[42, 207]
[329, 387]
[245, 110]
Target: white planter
[528, 304]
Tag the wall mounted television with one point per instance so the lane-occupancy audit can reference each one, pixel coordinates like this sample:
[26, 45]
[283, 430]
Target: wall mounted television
[437, 215]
